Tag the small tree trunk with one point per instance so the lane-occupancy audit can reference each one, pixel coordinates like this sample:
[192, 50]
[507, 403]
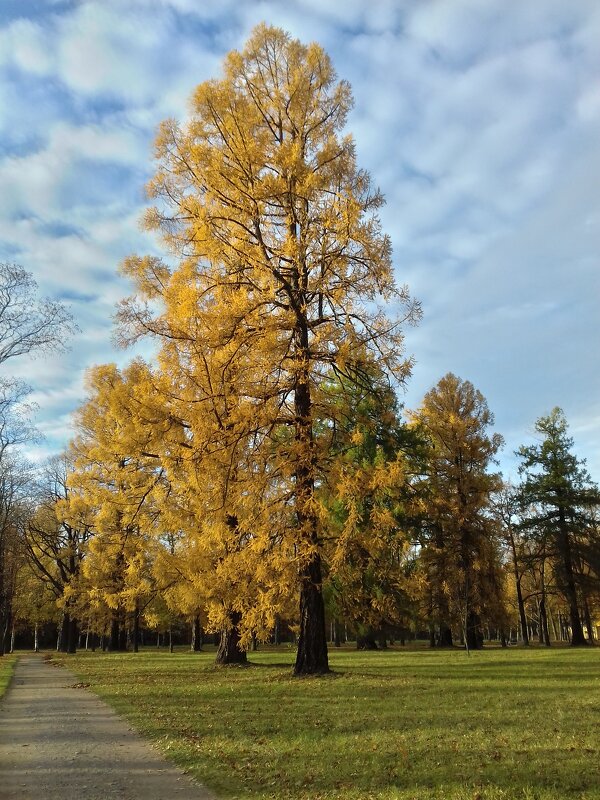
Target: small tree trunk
[588, 620]
[36, 644]
[196, 635]
[170, 638]
[544, 633]
[59, 634]
[337, 633]
[136, 627]
[115, 633]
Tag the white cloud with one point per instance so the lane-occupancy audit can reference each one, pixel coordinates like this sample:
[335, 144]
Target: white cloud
[24, 44]
[479, 123]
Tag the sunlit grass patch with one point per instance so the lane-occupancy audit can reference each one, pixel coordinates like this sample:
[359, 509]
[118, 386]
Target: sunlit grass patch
[398, 724]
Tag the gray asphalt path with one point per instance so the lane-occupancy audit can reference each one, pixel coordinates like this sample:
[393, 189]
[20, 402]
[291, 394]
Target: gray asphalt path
[57, 741]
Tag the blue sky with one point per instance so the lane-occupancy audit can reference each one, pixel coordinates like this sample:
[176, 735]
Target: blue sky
[479, 119]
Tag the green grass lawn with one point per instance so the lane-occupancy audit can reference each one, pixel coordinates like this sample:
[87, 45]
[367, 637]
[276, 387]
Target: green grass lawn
[7, 666]
[412, 725]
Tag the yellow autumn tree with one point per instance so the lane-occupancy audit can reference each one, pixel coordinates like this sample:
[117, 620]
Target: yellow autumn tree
[115, 487]
[460, 540]
[280, 274]
[55, 547]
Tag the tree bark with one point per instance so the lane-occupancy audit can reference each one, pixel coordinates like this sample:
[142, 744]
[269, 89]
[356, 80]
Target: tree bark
[311, 658]
[196, 645]
[277, 631]
[588, 620]
[544, 632]
[444, 638]
[337, 633]
[136, 628]
[72, 626]
[474, 635]
[569, 588]
[229, 651]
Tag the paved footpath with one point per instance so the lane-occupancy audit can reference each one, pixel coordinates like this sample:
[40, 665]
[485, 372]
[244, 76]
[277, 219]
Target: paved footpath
[61, 742]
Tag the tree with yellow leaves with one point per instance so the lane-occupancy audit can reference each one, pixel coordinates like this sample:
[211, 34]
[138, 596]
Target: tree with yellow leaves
[280, 264]
[460, 547]
[55, 546]
[115, 488]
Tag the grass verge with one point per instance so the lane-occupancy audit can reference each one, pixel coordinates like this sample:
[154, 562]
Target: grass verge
[7, 667]
[510, 724]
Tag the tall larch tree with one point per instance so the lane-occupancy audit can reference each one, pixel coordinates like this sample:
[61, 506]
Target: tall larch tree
[460, 549]
[274, 230]
[559, 500]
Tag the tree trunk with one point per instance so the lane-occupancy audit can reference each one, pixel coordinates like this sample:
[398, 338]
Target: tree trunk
[444, 636]
[6, 633]
[136, 628]
[520, 602]
[115, 633]
[196, 635]
[72, 626]
[66, 643]
[569, 588]
[229, 651]
[544, 633]
[474, 637]
[277, 631]
[366, 640]
[311, 658]
[337, 633]
[36, 645]
[522, 615]
[588, 620]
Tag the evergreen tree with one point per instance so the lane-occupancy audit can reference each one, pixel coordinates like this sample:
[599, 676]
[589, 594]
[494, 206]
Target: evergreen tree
[558, 499]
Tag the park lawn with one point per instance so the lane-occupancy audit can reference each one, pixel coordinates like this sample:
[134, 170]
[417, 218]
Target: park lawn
[409, 725]
[7, 667]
